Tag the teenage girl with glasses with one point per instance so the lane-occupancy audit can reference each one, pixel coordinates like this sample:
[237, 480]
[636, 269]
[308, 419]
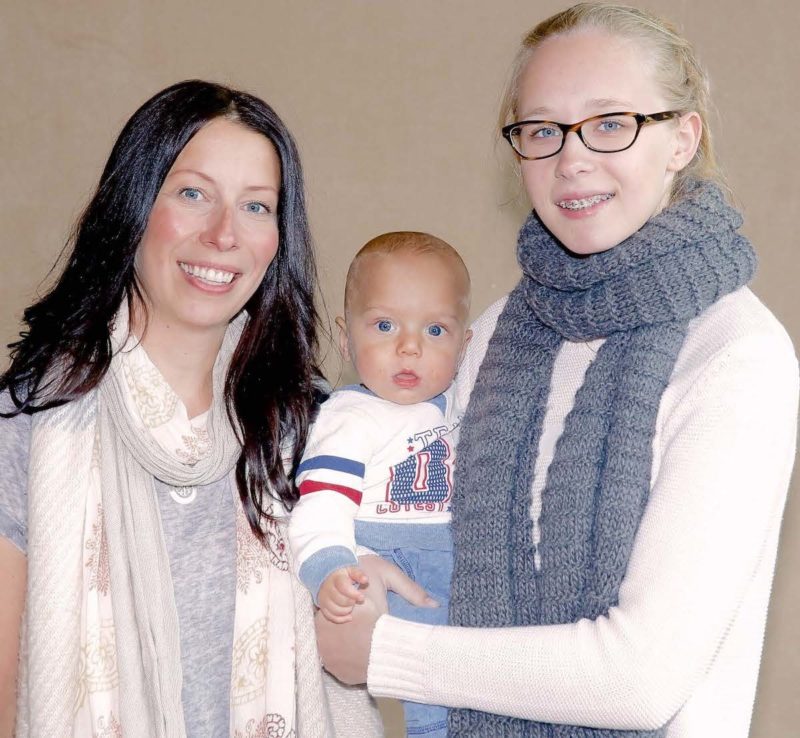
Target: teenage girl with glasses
[626, 451]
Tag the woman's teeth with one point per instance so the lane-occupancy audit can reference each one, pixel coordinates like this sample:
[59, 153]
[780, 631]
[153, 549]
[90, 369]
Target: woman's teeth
[212, 276]
[585, 202]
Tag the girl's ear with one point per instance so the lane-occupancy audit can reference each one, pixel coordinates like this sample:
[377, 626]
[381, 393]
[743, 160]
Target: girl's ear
[686, 141]
[344, 346]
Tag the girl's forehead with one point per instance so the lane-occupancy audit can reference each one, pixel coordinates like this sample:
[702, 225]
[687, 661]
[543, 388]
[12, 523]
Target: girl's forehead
[587, 71]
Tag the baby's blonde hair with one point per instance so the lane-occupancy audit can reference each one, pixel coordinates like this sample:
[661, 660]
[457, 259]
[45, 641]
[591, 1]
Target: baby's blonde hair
[675, 66]
[414, 242]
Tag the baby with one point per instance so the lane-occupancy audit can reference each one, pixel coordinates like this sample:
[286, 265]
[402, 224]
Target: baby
[377, 472]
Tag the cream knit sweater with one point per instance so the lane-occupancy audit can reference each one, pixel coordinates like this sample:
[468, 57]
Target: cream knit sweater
[684, 642]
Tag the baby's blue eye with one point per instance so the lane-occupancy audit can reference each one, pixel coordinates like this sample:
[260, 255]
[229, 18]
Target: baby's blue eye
[384, 326]
[258, 208]
[435, 330]
[191, 193]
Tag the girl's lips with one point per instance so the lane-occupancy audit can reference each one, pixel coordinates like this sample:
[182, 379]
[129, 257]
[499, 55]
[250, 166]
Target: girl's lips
[583, 207]
[406, 380]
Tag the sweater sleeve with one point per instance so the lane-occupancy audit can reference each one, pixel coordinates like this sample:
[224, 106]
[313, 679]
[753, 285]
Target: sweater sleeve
[710, 527]
[330, 480]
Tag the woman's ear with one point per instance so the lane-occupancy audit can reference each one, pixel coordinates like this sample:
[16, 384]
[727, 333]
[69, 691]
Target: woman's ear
[344, 344]
[686, 141]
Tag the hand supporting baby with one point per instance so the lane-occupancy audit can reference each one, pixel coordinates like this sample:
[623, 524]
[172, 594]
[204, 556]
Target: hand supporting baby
[345, 648]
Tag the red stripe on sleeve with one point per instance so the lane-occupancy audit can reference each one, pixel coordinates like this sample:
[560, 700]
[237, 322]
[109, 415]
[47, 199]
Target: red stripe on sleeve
[351, 494]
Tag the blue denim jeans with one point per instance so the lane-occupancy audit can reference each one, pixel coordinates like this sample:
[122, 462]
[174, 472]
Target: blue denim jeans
[425, 554]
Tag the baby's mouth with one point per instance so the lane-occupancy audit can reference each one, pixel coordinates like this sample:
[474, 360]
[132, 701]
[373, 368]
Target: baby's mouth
[406, 379]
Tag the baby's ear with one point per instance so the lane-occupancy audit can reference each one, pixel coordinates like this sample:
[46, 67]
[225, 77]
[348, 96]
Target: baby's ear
[344, 346]
[467, 337]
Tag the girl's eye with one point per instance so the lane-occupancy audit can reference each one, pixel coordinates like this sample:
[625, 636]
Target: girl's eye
[621, 126]
[435, 330]
[384, 326]
[609, 125]
[544, 131]
[257, 208]
[191, 193]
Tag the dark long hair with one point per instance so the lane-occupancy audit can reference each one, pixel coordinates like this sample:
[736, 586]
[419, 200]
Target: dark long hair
[270, 387]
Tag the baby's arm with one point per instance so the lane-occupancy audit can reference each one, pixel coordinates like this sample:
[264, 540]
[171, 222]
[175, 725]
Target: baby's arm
[340, 592]
[330, 480]
[323, 543]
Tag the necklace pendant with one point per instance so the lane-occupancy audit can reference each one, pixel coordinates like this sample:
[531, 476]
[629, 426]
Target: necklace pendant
[183, 495]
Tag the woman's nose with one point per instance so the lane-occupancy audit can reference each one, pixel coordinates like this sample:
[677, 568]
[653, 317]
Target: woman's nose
[219, 232]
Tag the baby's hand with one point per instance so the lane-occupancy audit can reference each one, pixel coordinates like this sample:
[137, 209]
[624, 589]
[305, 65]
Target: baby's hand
[340, 592]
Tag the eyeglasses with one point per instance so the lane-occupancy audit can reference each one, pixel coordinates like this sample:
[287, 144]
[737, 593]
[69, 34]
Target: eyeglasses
[606, 133]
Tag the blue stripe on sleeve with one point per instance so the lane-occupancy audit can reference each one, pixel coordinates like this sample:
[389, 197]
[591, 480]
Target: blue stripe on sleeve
[334, 463]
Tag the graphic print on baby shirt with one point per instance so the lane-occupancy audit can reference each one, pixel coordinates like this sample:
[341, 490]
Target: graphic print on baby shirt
[423, 481]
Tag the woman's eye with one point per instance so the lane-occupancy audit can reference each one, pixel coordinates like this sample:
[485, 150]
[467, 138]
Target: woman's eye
[257, 208]
[435, 330]
[191, 193]
[384, 326]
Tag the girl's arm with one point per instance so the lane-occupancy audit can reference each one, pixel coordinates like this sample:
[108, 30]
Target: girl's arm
[13, 568]
[710, 527]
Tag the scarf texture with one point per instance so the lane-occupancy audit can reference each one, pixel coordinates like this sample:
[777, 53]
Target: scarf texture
[100, 651]
[639, 296]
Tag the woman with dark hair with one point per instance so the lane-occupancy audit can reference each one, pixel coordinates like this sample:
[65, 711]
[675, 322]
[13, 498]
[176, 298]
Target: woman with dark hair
[155, 410]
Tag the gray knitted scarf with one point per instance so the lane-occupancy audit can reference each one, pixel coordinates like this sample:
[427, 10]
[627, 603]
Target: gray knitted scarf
[640, 297]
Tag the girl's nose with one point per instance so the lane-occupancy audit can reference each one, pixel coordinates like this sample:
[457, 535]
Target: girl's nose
[219, 232]
[574, 158]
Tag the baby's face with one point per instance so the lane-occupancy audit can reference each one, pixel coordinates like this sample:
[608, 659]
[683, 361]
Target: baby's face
[406, 324]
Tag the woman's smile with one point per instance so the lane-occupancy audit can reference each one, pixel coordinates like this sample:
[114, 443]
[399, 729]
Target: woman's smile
[208, 275]
[213, 229]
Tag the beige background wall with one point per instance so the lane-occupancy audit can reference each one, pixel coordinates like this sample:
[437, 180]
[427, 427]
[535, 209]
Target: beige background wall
[393, 105]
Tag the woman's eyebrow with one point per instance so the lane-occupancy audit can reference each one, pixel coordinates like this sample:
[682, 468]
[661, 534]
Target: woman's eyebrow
[195, 172]
[211, 180]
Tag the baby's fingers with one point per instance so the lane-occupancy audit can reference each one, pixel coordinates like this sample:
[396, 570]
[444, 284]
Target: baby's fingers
[336, 611]
[338, 619]
[358, 576]
[348, 588]
[341, 596]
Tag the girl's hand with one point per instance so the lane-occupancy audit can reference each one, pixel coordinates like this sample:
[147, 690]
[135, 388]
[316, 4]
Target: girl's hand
[344, 648]
[340, 592]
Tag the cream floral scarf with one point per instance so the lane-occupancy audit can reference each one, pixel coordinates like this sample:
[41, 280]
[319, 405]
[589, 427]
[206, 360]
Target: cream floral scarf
[100, 648]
